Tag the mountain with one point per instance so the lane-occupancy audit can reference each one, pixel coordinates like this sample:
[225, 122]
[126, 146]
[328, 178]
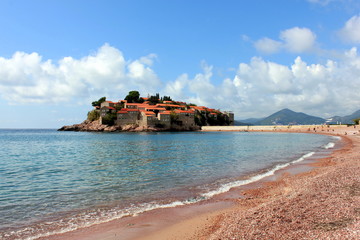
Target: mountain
[251, 121]
[289, 117]
[346, 119]
[241, 123]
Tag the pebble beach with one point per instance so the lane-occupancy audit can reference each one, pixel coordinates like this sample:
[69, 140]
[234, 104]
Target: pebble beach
[321, 204]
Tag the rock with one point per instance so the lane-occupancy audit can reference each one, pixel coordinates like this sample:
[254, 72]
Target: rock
[87, 126]
[95, 126]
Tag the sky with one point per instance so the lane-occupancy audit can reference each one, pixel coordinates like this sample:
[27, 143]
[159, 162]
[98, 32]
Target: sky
[253, 57]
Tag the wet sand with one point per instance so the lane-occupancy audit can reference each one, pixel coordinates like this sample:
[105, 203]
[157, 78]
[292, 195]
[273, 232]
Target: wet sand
[318, 200]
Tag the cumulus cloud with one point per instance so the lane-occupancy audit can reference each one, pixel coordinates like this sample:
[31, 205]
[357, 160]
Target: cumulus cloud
[298, 40]
[26, 78]
[351, 31]
[257, 88]
[295, 40]
[262, 87]
[267, 45]
[198, 90]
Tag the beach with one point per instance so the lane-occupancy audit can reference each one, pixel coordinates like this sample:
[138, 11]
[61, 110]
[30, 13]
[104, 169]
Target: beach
[318, 200]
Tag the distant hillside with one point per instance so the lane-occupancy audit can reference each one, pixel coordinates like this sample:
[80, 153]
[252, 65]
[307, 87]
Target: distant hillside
[251, 121]
[346, 119]
[241, 123]
[289, 117]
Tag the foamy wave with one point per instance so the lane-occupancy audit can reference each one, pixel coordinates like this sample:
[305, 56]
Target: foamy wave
[226, 187]
[90, 219]
[329, 145]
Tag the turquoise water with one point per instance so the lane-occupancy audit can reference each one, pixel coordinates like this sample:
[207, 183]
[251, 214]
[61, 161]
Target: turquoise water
[58, 181]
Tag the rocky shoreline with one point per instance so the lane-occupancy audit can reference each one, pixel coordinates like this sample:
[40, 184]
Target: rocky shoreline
[95, 126]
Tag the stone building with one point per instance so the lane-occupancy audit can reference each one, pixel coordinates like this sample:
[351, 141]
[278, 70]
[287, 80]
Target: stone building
[168, 114]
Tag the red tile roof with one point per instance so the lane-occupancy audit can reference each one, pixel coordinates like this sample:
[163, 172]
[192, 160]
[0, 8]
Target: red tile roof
[183, 111]
[169, 105]
[165, 113]
[156, 108]
[149, 113]
[130, 110]
[122, 112]
[197, 108]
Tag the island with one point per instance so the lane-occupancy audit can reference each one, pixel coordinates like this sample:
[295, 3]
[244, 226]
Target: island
[152, 113]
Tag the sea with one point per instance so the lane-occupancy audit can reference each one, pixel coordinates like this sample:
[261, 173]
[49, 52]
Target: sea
[54, 182]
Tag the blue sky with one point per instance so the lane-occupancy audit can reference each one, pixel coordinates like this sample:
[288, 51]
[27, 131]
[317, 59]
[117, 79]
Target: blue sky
[253, 57]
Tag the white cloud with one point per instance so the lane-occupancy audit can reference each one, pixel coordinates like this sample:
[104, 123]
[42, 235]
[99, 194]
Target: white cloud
[267, 45]
[177, 89]
[198, 90]
[261, 87]
[258, 88]
[351, 31]
[294, 40]
[298, 40]
[27, 78]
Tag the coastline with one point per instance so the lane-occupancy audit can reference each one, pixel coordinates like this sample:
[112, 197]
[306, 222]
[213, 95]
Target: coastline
[212, 219]
[96, 126]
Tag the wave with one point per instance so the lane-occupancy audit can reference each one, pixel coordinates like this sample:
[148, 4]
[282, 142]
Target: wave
[226, 187]
[88, 219]
[329, 145]
[336, 137]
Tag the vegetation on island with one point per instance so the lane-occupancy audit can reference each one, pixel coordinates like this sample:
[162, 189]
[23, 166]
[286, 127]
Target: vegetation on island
[93, 115]
[134, 97]
[98, 102]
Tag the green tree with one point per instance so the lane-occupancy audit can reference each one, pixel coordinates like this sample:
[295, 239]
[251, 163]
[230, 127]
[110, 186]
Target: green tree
[133, 97]
[356, 121]
[174, 118]
[212, 121]
[98, 102]
[166, 98]
[109, 119]
[93, 115]
[119, 106]
[154, 99]
[200, 119]
[223, 120]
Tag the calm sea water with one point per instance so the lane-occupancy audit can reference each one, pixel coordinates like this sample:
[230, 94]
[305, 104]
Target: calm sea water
[53, 182]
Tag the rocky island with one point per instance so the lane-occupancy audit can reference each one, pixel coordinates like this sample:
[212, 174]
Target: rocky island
[152, 113]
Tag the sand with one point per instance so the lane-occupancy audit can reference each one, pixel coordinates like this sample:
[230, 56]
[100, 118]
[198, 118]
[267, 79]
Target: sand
[321, 203]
